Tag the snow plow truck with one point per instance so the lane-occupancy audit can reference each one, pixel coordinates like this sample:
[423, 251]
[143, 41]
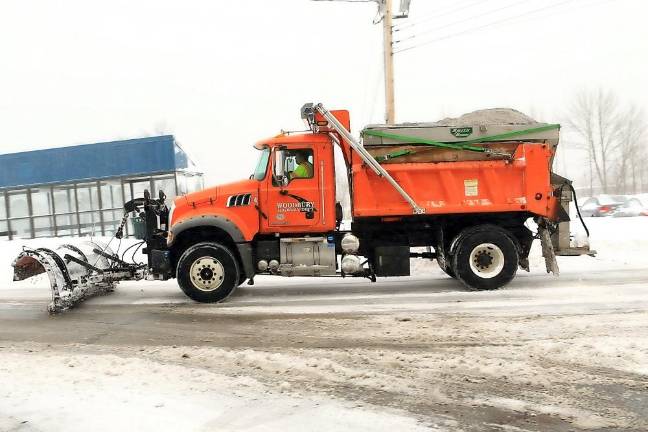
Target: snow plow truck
[460, 192]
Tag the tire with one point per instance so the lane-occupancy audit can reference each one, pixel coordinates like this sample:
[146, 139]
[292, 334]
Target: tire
[485, 258]
[207, 272]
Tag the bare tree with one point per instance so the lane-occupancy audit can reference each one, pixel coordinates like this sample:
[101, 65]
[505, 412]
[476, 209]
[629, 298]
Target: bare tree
[643, 173]
[632, 132]
[594, 116]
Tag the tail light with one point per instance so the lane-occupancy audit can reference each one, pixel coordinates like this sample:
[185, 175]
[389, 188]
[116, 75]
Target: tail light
[605, 209]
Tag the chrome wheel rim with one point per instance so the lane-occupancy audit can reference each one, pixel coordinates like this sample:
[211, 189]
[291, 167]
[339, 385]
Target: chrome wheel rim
[486, 260]
[207, 273]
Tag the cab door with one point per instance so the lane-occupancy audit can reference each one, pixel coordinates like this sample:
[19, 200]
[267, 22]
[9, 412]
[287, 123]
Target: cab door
[294, 195]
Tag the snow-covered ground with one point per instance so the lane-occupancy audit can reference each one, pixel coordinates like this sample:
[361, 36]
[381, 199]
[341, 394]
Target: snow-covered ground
[59, 390]
[544, 353]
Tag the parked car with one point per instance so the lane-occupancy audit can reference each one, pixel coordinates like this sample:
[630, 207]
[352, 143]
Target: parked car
[632, 207]
[602, 205]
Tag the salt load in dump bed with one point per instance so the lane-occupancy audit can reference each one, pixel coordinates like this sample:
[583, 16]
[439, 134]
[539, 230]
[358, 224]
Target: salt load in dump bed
[485, 134]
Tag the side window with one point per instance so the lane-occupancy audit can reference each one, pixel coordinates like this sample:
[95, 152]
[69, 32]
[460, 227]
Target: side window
[298, 164]
[293, 164]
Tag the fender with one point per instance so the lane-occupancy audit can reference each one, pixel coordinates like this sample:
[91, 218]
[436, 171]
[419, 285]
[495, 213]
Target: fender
[207, 220]
[243, 247]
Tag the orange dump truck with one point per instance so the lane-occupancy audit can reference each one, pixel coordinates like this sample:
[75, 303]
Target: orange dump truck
[463, 191]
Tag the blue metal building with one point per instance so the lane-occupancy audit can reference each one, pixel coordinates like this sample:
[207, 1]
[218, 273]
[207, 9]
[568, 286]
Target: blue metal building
[80, 190]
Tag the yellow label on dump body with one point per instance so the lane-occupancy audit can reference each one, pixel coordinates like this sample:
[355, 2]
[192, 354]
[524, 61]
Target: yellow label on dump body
[471, 187]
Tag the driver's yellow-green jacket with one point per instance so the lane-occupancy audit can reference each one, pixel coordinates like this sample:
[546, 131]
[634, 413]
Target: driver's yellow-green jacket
[305, 170]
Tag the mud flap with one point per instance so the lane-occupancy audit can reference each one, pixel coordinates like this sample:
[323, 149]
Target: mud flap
[74, 272]
[548, 250]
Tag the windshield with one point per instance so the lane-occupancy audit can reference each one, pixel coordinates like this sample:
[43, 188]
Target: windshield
[262, 164]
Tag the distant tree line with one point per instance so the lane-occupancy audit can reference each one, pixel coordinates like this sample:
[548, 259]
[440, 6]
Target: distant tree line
[615, 137]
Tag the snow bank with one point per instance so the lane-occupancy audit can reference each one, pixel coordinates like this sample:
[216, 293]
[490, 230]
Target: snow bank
[617, 240]
[80, 392]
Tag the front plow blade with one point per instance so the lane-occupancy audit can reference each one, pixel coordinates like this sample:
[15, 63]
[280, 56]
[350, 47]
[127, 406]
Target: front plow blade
[74, 272]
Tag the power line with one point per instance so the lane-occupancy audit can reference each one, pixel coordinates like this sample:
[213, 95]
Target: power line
[553, 13]
[400, 27]
[473, 29]
[462, 21]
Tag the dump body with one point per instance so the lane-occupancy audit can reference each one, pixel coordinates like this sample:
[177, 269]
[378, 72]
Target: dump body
[459, 167]
[472, 186]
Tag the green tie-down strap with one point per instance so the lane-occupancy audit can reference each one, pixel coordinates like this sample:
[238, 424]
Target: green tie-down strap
[464, 145]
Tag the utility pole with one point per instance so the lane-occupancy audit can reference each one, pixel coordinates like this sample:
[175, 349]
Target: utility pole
[386, 14]
[388, 52]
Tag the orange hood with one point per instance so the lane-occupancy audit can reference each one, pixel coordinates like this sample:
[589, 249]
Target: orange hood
[218, 194]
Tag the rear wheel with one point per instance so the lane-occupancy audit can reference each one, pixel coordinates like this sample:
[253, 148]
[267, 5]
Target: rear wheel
[207, 272]
[485, 258]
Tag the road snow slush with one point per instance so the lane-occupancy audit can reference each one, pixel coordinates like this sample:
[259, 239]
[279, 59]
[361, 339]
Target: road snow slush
[75, 272]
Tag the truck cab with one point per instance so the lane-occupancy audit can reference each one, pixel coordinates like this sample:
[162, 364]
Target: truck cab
[246, 221]
[296, 200]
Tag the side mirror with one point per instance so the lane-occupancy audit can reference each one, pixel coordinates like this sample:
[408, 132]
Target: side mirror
[281, 180]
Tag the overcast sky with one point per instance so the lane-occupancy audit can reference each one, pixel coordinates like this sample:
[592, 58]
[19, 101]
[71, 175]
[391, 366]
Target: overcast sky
[220, 75]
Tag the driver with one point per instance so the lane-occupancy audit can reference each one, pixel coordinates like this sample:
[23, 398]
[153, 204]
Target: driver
[304, 168]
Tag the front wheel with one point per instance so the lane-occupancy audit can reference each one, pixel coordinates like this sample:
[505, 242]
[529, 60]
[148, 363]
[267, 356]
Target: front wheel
[207, 272]
[485, 258]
